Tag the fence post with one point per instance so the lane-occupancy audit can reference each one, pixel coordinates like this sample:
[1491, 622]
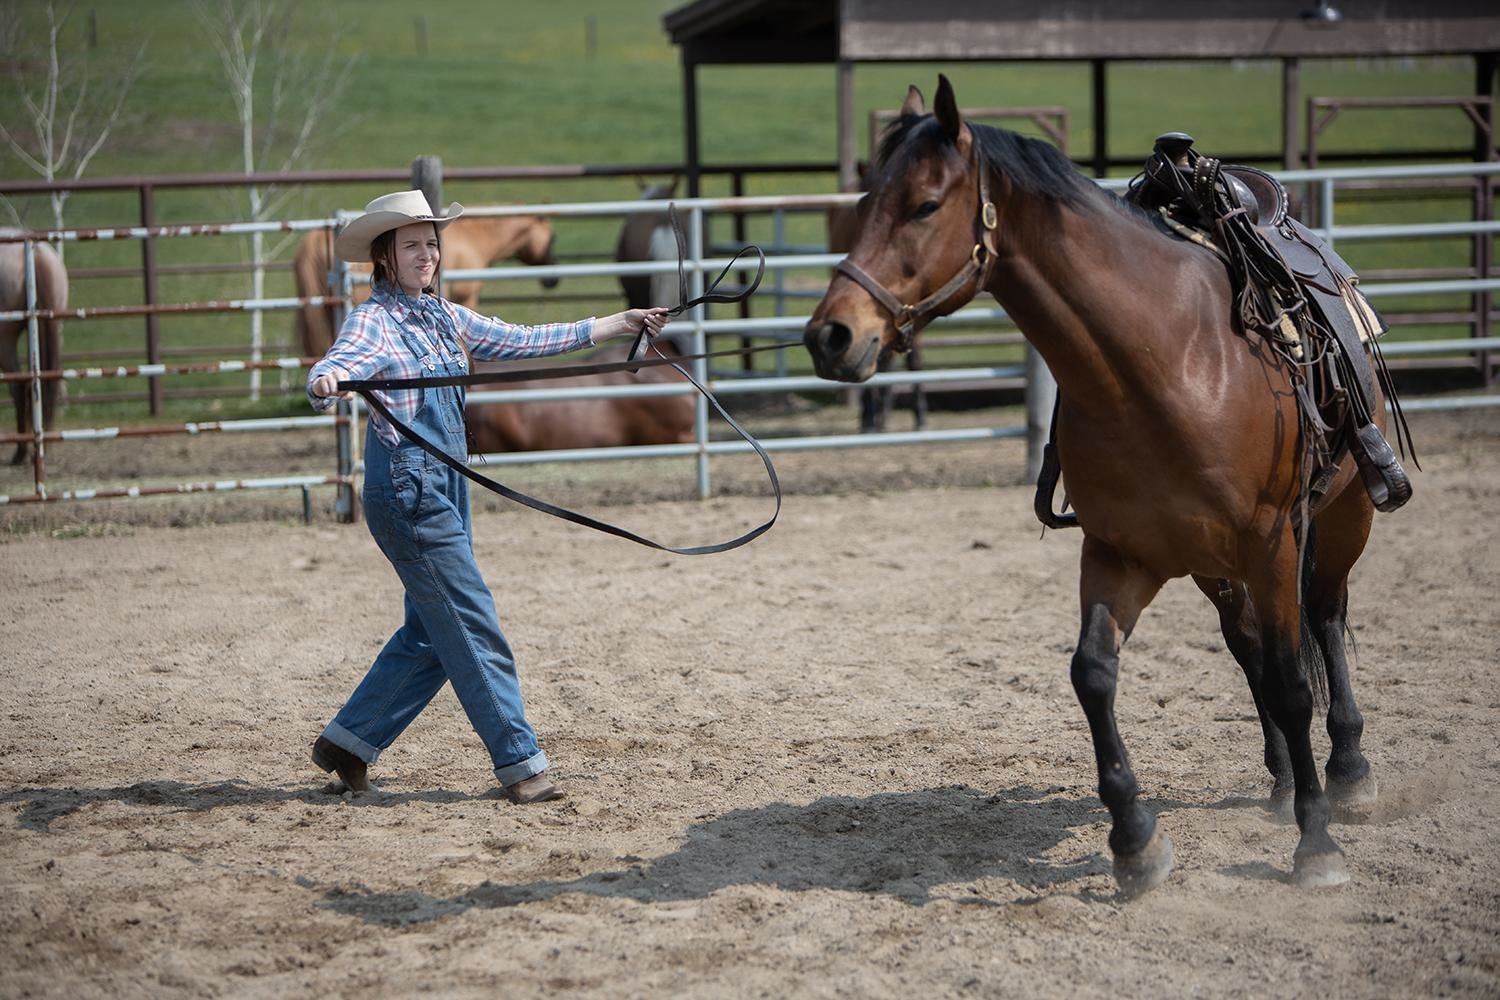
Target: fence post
[700, 346]
[1041, 396]
[344, 509]
[148, 272]
[427, 177]
[34, 349]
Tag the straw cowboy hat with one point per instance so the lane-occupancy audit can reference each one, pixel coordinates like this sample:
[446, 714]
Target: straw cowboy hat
[389, 211]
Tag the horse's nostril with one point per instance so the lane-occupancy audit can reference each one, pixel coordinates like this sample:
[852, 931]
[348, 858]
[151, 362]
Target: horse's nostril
[835, 338]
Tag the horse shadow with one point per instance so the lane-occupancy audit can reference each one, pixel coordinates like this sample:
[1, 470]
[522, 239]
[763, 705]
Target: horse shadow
[900, 845]
[42, 806]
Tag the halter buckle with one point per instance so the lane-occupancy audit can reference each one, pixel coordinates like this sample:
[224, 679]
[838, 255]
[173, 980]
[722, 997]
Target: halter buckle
[989, 216]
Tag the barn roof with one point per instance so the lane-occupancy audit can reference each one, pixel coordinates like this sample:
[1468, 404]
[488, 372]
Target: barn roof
[848, 32]
[779, 31]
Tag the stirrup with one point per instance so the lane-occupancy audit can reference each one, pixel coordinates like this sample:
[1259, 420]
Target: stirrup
[1046, 487]
[1384, 478]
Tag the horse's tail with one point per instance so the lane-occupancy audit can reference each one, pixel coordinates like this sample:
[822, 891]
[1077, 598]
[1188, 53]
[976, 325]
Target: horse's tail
[311, 325]
[1310, 652]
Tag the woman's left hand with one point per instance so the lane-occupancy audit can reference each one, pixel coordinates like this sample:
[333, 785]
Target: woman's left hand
[652, 320]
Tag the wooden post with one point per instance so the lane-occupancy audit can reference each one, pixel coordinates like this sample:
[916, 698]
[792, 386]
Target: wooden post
[427, 177]
[590, 37]
[1291, 97]
[690, 124]
[1101, 116]
[847, 172]
[419, 23]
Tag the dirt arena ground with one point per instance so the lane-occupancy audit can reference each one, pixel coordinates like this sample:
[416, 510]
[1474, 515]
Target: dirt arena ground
[843, 761]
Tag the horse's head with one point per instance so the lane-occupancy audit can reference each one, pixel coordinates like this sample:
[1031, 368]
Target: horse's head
[535, 246]
[924, 245]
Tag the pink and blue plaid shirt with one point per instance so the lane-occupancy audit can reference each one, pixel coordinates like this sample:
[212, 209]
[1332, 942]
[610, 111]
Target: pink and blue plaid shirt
[379, 338]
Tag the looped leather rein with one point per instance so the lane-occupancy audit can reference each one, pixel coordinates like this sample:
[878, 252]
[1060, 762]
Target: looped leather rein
[637, 360]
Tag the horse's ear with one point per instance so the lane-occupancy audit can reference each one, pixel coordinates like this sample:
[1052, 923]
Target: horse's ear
[913, 105]
[946, 109]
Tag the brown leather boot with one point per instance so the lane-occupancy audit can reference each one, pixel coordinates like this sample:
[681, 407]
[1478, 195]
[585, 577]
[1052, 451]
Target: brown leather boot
[331, 757]
[537, 788]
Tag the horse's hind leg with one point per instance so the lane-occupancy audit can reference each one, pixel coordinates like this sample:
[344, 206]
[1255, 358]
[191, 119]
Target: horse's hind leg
[1113, 592]
[1287, 693]
[20, 392]
[1339, 538]
[1242, 636]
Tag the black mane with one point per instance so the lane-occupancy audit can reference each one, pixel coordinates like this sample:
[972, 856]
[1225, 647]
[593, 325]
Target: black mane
[1034, 166]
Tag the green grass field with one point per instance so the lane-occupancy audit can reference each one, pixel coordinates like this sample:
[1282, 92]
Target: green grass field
[514, 82]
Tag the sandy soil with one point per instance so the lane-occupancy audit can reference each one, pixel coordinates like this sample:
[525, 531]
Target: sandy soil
[844, 761]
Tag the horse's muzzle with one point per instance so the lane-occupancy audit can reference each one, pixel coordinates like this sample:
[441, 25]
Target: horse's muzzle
[832, 347]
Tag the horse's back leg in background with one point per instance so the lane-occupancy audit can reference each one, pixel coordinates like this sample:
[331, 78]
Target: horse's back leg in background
[1113, 592]
[20, 392]
[918, 394]
[1242, 636]
[874, 402]
[1339, 538]
[1286, 690]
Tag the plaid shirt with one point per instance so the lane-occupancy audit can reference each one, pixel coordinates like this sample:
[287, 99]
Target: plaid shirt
[371, 345]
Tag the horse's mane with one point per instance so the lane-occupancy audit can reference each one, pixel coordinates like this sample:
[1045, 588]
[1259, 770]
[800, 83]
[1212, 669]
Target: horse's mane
[1036, 167]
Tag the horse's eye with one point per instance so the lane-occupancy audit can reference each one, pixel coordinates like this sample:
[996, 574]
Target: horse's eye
[925, 209]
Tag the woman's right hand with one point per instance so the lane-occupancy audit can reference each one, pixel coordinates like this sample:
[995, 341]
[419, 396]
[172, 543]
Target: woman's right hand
[327, 384]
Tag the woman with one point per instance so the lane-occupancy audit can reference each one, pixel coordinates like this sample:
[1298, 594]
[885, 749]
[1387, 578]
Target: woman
[418, 509]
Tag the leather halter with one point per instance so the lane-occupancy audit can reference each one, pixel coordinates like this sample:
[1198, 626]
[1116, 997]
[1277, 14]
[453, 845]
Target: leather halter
[911, 318]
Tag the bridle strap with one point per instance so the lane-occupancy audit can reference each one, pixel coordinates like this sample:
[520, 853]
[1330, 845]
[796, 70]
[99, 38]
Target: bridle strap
[911, 318]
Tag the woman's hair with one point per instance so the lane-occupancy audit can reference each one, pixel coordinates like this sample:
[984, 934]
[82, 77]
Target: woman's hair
[383, 254]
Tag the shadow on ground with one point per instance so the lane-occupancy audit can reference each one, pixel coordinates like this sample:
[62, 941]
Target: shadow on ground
[894, 844]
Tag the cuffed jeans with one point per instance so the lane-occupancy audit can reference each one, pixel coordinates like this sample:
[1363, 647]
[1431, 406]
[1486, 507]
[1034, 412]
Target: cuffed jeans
[418, 511]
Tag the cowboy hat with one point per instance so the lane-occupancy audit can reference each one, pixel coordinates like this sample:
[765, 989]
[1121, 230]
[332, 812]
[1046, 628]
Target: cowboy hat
[389, 211]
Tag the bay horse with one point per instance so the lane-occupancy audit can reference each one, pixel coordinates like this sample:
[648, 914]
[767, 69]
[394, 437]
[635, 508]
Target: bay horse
[1178, 434]
[467, 244]
[51, 293]
[586, 423]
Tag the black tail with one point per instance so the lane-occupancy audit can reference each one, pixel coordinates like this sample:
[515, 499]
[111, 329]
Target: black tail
[1311, 651]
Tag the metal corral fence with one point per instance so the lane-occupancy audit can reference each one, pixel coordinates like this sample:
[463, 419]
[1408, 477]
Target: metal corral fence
[784, 329]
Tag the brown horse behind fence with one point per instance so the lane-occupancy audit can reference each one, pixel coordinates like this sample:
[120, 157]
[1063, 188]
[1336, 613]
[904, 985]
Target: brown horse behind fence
[586, 423]
[1178, 432]
[468, 243]
[51, 293]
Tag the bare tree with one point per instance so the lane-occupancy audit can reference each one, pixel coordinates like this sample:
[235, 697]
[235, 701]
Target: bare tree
[297, 94]
[68, 124]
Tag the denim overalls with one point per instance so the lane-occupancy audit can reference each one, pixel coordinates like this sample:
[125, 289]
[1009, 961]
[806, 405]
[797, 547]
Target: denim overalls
[418, 511]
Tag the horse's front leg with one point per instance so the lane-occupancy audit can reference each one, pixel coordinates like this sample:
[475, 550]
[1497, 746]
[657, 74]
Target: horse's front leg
[1286, 690]
[1242, 636]
[1113, 592]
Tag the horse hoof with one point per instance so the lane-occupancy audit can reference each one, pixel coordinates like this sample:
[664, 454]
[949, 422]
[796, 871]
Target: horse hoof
[1353, 801]
[1320, 871]
[1139, 873]
[1283, 805]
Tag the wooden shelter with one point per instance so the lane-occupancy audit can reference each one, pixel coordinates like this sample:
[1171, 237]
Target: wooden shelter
[848, 32]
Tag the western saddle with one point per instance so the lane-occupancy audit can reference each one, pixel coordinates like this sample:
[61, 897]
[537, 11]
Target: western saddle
[1291, 287]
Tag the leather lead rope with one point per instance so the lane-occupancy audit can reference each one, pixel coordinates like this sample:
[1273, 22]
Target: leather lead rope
[367, 388]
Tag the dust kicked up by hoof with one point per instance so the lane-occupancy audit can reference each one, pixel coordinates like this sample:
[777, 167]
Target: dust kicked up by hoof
[1354, 801]
[1320, 871]
[1139, 873]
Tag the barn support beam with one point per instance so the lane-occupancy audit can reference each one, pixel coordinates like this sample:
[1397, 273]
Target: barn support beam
[691, 152]
[1100, 88]
[1291, 97]
[847, 172]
